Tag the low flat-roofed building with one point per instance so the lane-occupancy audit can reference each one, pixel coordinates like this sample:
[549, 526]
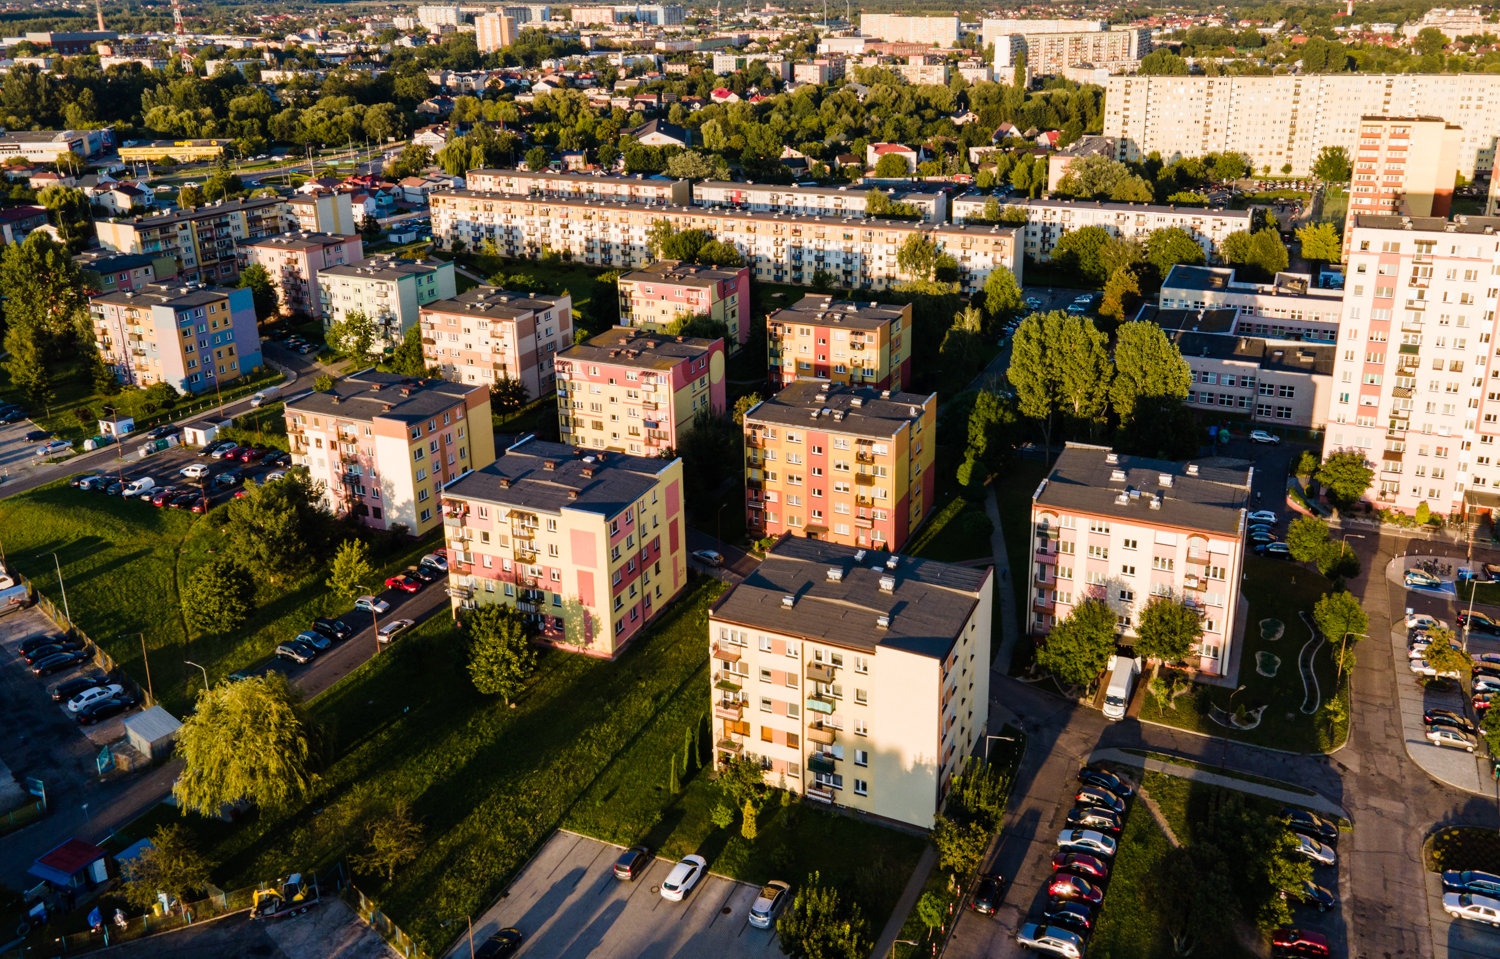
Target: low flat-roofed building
[1289, 307]
[183, 151]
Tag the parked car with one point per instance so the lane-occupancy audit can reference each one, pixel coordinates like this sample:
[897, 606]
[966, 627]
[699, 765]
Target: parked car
[1273, 550]
[424, 573]
[1467, 905]
[985, 898]
[69, 688]
[1423, 668]
[708, 557]
[314, 639]
[53, 447]
[296, 652]
[94, 695]
[1081, 863]
[333, 628]
[1478, 622]
[370, 604]
[1303, 822]
[1319, 853]
[1483, 701]
[1486, 684]
[1447, 717]
[1092, 817]
[683, 877]
[1423, 621]
[195, 471]
[1104, 779]
[1095, 796]
[226, 451]
[52, 649]
[1086, 840]
[1263, 528]
[114, 489]
[250, 454]
[1314, 895]
[1058, 941]
[37, 642]
[229, 478]
[162, 495]
[1262, 538]
[1068, 886]
[632, 863]
[55, 662]
[1418, 648]
[773, 896]
[103, 709]
[1470, 880]
[501, 944]
[77, 478]
[1078, 916]
[93, 482]
[1261, 436]
[186, 499]
[403, 582]
[434, 561]
[1421, 579]
[394, 628]
[1444, 736]
[1299, 943]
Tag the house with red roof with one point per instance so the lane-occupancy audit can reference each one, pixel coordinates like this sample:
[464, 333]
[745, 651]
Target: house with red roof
[73, 865]
[875, 151]
[721, 95]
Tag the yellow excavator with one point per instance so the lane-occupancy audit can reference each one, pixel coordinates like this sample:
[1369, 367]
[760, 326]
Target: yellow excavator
[285, 897]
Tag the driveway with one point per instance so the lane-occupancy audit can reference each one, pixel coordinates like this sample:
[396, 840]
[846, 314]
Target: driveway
[1457, 938]
[569, 905]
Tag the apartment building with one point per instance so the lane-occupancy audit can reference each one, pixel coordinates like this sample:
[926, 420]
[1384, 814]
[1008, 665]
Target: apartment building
[843, 463]
[1289, 119]
[779, 66]
[1412, 392]
[1290, 307]
[486, 335]
[201, 240]
[105, 271]
[859, 678]
[658, 297]
[190, 336]
[1049, 54]
[779, 248]
[1059, 163]
[632, 392]
[435, 17]
[494, 31]
[384, 445]
[821, 70]
[1124, 529]
[992, 30]
[590, 546]
[811, 199]
[322, 212]
[581, 186]
[863, 344]
[293, 261]
[183, 151]
[919, 73]
[1047, 221]
[930, 31]
[1405, 165]
[1492, 206]
[388, 289]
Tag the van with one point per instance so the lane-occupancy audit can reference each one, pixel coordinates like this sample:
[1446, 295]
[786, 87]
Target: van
[1121, 686]
[137, 487]
[265, 396]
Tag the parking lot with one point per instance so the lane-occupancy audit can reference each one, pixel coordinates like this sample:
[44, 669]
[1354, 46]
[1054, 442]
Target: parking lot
[1457, 938]
[568, 903]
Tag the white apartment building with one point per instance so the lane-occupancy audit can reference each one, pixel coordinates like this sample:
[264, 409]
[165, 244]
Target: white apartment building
[1049, 54]
[1126, 528]
[780, 248]
[1277, 120]
[581, 185]
[937, 31]
[859, 678]
[1290, 307]
[1048, 220]
[1414, 388]
[727, 63]
[991, 30]
[387, 289]
[436, 17]
[810, 199]
[486, 334]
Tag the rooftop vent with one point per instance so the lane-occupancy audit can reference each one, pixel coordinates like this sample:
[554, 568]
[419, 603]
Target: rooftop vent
[859, 556]
[882, 622]
[549, 465]
[820, 397]
[1111, 458]
[1117, 476]
[1165, 479]
[1123, 499]
[588, 472]
[1192, 469]
[887, 584]
[885, 394]
[572, 494]
[892, 562]
[787, 602]
[857, 401]
[835, 575]
[505, 482]
[1156, 502]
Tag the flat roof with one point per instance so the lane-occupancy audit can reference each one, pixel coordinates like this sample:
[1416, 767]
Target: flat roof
[822, 309]
[370, 395]
[840, 407]
[1487, 225]
[170, 293]
[1060, 204]
[112, 260]
[1213, 320]
[1084, 480]
[926, 607]
[1280, 356]
[493, 302]
[593, 482]
[813, 188]
[217, 208]
[627, 346]
[39, 136]
[299, 240]
[680, 273]
[384, 267]
[573, 177]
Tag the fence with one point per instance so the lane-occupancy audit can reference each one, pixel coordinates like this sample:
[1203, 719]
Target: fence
[102, 659]
[217, 904]
[378, 921]
[24, 816]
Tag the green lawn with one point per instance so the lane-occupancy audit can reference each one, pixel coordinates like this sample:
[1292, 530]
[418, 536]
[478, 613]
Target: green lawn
[540, 418]
[586, 746]
[1335, 206]
[947, 535]
[1276, 590]
[123, 563]
[1488, 593]
[1131, 925]
[1462, 847]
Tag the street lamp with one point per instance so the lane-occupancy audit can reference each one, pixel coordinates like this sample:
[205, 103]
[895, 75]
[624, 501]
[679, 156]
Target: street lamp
[988, 738]
[470, 920]
[900, 942]
[205, 673]
[149, 690]
[62, 589]
[1224, 756]
[374, 616]
[1343, 641]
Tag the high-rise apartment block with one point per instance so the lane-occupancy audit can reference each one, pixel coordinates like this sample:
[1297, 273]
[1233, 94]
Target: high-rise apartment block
[864, 344]
[1124, 529]
[201, 240]
[1414, 392]
[637, 393]
[293, 261]
[544, 183]
[931, 31]
[658, 297]
[843, 463]
[384, 445]
[590, 546]
[1050, 54]
[487, 335]
[434, 17]
[992, 31]
[494, 31]
[387, 289]
[1405, 165]
[190, 336]
[858, 678]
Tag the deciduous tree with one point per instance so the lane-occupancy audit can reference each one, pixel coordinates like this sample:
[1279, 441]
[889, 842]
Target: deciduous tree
[1338, 615]
[392, 839]
[255, 278]
[960, 845]
[1169, 246]
[892, 166]
[1079, 648]
[407, 358]
[508, 395]
[1147, 364]
[1332, 165]
[1121, 294]
[280, 529]
[1306, 538]
[501, 657]
[818, 924]
[353, 336]
[1167, 631]
[744, 405]
[350, 573]
[1346, 476]
[169, 864]
[1321, 242]
[1002, 297]
[218, 596]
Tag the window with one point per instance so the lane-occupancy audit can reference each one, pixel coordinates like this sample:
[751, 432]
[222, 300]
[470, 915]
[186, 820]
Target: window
[1162, 563]
[765, 643]
[861, 757]
[861, 727]
[765, 704]
[1127, 570]
[1098, 552]
[765, 675]
[861, 788]
[861, 664]
[1129, 544]
[862, 697]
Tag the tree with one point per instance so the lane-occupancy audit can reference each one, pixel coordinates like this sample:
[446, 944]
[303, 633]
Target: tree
[1489, 726]
[1079, 648]
[392, 840]
[369, 229]
[1162, 62]
[501, 657]
[932, 910]
[1162, 427]
[1430, 41]
[218, 596]
[1002, 297]
[168, 865]
[1080, 250]
[918, 257]
[189, 198]
[1321, 242]
[537, 158]
[892, 166]
[689, 165]
[1262, 251]
[991, 430]
[509, 395]
[105, 382]
[255, 278]
[27, 366]
[1446, 657]
[407, 358]
[747, 821]
[1306, 538]
[960, 845]
[1346, 477]
[1338, 615]
[279, 530]
[248, 740]
[353, 336]
[1168, 246]
[1059, 363]
[1120, 294]
[744, 405]
[412, 161]
[351, 573]
[323, 383]
[1332, 165]
[819, 925]
[657, 234]
[1167, 631]
[961, 354]
[1147, 364]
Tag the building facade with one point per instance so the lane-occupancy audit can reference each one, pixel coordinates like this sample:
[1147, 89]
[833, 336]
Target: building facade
[580, 186]
[45, 146]
[1049, 54]
[202, 240]
[322, 212]
[635, 393]
[387, 289]
[841, 463]
[487, 335]
[183, 151]
[494, 31]
[1047, 221]
[1290, 307]
[1124, 529]
[857, 677]
[841, 341]
[930, 31]
[107, 272]
[592, 547]
[656, 298]
[193, 337]
[993, 31]
[1406, 166]
[293, 261]
[384, 445]
[810, 199]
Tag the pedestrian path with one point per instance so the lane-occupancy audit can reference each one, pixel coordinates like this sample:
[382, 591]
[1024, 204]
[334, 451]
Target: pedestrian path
[1010, 631]
[907, 902]
[1152, 764]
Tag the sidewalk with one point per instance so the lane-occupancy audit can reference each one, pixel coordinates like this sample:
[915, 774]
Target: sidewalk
[1009, 626]
[906, 903]
[1290, 797]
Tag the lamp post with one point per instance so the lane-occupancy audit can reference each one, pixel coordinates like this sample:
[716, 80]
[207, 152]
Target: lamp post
[62, 589]
[149, 690]
[470, 920]
[1345, 540]
[374, 616]
[205, 673]
[1343, 641]
[900, 942]
[987, 740]
[1224, 756]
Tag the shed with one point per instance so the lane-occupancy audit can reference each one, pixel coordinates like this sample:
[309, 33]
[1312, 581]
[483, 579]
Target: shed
[202, 432]
[72, 865]
[152, 732]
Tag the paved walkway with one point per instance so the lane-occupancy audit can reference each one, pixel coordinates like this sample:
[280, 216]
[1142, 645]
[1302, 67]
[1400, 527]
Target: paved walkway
[1288, 796]
[906, 903]
[1010, 627]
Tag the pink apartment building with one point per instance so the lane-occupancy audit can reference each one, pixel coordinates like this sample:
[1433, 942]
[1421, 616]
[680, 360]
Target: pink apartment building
[637, 393]
[487, 334]
[668, 293]
[1126, 528]
[294, 259]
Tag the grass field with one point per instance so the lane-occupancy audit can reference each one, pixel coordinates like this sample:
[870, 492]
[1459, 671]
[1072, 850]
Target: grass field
[586, 746]
[1462, 847]
[1130, 923]
[947, 535]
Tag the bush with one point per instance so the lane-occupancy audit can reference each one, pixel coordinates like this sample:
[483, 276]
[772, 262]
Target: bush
[978, 526]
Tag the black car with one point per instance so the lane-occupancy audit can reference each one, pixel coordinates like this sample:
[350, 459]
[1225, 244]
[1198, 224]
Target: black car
[425, 573]
[1478, 623]
[1094, 776]
[1274, 551]
[1092, 817]
[37, 642]
[1078, 916]
[1446, 717]
[52, 664]
[333, 628]
[632, 863]
[987, 893]
[1483, 883]
[77, 478]
[103, 709]
[1314, 895]
[502, 943]
[1301, 821]
[51, 649]
[38, 435]
[65, 691]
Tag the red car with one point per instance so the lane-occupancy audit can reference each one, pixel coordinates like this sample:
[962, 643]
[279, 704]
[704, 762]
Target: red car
[250, 454]
[1080, 863]
[1299, 942]
[164, 495]
[200, 505]
[404, 582]
[1074, 887]
[1483, 701]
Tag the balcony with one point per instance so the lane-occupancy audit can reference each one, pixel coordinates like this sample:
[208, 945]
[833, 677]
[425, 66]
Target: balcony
[821, 762]
[728, 683]
[731, 747]
[864, 522]
[819, 793]
[824, 735]
[731, 709]
[819, 673]
[821, 704]
[460, 592]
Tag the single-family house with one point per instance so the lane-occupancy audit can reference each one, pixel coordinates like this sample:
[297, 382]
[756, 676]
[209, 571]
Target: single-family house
[721, 95]
[876, 151]
[122, 198]
[659, 133]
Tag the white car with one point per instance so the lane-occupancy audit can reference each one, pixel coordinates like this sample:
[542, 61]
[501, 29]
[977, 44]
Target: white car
[1053, 939]
[93, 696]
[434, 561]
[1443, 736]
[708, 557]
[1423, 621]
[1423, 668]
[196, 471]
[1261, 436]
[1464, 905]
[394, 628]
[772, 897]
[371, 605]
[683, 877]
[54, 446]
[1086, 840]
[1262, 516]
[1316, 851]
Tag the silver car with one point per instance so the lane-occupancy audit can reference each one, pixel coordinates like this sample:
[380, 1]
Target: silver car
[772, 897]
[1058, 941]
